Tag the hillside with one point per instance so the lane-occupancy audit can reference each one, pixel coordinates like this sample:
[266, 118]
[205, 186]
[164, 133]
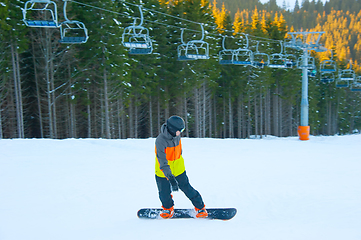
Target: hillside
[91, 189]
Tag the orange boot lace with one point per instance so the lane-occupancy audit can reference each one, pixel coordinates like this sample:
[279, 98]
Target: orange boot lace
[167, 212]
[201, 213]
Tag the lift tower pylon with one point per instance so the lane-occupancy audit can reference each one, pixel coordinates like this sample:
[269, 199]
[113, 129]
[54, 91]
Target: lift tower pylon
[305, 41]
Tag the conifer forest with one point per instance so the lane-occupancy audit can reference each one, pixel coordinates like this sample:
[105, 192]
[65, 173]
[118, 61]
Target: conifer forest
[106, 81]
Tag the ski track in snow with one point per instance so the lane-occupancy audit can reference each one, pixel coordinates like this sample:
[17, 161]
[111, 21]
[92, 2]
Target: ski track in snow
[283, 189]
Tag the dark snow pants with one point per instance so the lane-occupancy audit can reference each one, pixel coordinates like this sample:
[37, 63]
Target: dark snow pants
[165, 196]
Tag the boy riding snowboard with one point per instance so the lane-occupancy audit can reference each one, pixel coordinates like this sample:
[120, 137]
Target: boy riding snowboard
[170, 170]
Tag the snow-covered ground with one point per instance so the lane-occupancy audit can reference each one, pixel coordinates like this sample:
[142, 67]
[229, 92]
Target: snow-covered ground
[91, 189]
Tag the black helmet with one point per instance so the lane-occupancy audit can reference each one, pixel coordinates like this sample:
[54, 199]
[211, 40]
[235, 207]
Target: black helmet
[174, 124]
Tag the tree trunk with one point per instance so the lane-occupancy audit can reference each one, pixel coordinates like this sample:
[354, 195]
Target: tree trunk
[260, 114]
[88, 110]
[72, 107]
[255, 115]
[17, 89]
[249, 120]
[158, 114]
[204, 111]
[210, 124]
[106, 103]
[240, 116]
[37, 92]
[268, 112]
[136, 117]
[196, 113]
[215, 116]
[1, 125]
[230, 116]
[290, 119]
[280, 119]
[131, 118]
[150, 117]
[224, 135]
[275, 113]
[186, 114]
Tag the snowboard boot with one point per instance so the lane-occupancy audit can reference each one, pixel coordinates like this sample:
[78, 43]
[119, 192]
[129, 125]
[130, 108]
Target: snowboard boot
[167, 212]
[201, 213]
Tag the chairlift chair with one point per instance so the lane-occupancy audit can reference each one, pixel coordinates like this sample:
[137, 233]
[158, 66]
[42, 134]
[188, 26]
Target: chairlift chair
[345, 77]
[327, 70]
[226, 56]
[280, 60]
[311, 72]
[277, 60]
[72, 31]
[243, 57]
[290, 60]
[197, 50]
[260, 59]
[328, 66]
[40, 13]
[327, 77]
[182, 50]
[136, 37]
[194, 49]
[356, 85]
[310, 64]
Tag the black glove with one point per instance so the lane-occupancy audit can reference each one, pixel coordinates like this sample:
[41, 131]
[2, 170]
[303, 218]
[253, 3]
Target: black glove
[173, 184]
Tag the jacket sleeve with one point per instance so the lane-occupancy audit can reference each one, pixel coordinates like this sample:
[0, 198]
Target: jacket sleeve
[162, 159]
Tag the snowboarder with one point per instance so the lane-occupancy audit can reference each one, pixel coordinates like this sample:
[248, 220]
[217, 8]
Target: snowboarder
[170, 171]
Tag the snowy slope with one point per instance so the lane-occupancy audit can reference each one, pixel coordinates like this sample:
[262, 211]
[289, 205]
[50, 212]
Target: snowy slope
[91, 189]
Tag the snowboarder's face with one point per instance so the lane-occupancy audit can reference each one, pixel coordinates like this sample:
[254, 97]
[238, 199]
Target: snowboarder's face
[177, 133]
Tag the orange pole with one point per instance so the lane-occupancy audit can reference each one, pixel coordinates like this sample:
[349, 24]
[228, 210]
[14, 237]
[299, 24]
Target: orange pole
[303, 132]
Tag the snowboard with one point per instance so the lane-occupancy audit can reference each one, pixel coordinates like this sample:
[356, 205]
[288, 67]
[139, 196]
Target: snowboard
[213, 213]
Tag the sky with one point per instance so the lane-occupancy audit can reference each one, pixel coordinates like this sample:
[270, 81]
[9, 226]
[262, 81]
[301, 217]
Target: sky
[91, 189]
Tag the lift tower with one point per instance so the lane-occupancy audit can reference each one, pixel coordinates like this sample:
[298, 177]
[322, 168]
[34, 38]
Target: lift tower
[305, 41]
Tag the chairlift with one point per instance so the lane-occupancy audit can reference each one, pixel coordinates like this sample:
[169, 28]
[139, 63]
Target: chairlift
[72, 31]
[260, 59]
[279, 60]
[182, 49]
[226, 56]
[328, 66]
[40, 13]
[194, 49]
[290, 60]
[327, 70]
[356, 85]
[311, 72]
[345, 77]
[136, 37]
[243, 57]
[309, 65]
[327, 77]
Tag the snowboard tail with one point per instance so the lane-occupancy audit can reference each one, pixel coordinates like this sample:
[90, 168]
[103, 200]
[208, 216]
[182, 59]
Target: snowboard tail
[213, 213]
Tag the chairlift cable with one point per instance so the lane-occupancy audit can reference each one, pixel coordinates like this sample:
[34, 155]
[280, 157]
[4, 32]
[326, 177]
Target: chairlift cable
[168, 25]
